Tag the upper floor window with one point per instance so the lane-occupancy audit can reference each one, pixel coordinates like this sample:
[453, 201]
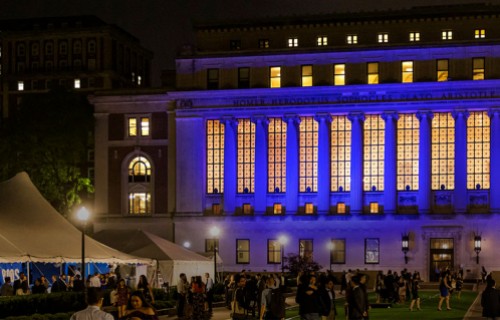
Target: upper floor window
[373, 153]
[275, 77]
[234, 44]
[339, 74]
[407, 144]
[77, 47]
[352, 39]
[321, 41]
[273, 251]
[276, 155]
[340, 153]
[77, 84]
[242, 251]
[49, 48]
[138, 125]
[414, 36]
[263, 43]
[21, 49]
[308, 155]
[246, 156]
[479, 33]
[213, 79]
[215, 156]
[478, 69]
[91, 46]
[293, 42]
[372, 71]
[20, 85]
[63, 47]
[443, 152]
[446, 35]
[406, 71]
[442, 70]
[35, 49]
[337, 251]
[478, 150]
[243, 78]
[383, 37]
[307, 76]
[139, 170]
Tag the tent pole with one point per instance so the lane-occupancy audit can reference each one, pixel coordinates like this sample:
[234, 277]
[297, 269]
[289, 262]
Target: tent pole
[28, 271]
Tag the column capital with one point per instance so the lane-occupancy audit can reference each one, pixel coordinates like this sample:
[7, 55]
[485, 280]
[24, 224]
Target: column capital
[424, 115]
[356, 116]
[260, 119]
[320, 117]
[390, 116]
[460, 113]
[493, 113]
[229, 121]
[291, 118]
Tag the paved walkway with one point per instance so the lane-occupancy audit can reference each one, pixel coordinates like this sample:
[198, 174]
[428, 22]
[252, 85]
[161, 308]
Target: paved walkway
[475, 311]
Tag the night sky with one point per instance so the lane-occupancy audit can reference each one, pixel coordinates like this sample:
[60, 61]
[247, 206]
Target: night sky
[164, 25]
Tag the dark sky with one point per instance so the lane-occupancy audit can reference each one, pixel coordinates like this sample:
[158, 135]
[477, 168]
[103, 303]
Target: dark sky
[164, 25]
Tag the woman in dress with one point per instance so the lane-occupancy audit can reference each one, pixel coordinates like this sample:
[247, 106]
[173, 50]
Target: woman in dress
[139, 308]
[444, 289]
[144, 286]
[122, 294]
[415, 285]
[198, 292]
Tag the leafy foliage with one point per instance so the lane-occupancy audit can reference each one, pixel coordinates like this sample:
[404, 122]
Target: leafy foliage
[294, 263]
[48, 137]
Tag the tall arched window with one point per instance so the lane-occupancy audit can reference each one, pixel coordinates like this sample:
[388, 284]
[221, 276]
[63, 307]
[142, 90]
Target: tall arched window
[139, 186]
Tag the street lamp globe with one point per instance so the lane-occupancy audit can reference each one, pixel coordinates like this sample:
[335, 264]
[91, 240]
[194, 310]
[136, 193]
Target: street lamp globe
[83, 214]
[214, 232]
[283, 239]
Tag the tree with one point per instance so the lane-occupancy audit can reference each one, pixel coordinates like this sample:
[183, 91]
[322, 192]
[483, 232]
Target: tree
[48, 136]
[295, 264]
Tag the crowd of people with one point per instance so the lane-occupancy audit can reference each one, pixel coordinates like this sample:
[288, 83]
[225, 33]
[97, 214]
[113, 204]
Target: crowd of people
[195, 297]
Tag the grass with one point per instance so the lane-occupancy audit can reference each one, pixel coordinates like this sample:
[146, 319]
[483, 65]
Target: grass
[428, 304]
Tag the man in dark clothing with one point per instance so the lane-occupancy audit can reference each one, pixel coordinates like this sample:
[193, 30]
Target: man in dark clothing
[490, 300]
[18, 282]
[357, 303]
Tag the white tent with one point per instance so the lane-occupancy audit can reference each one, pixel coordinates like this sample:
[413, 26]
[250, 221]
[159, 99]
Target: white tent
[172, 258]
[31, 230]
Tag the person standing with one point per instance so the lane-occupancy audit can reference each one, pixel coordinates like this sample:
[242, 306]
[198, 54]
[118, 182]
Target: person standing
[182, 290]
[490, 300]
[209, 286]
[444, 289]
[356, 301]
[415, 286]
[144, 286]
[93, 310]
[7, 289]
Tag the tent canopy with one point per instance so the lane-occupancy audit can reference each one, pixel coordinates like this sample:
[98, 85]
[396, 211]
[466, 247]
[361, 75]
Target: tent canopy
[172, 258]
[32, 230]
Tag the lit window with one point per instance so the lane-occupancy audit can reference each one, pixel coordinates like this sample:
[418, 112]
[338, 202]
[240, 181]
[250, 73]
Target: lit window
[308, 155]
[407, 71]
[373, 153]
[352, 39]
[478, 151]
[479, 33]
[77, 84]
[134, 126]
[277, 208]
[442, 70]
[215, 157]
[322, 41]
[293, 42]
[242, 251]
[337, 252]
[306, 249]
[408, 138]
[478, 69]
[246, 156]
[273, 251]
[216, 209]
[339, 74]
[340, 154]
[276, 155]
[446, 35]
[374, 207]
[213, 79]
[307, 76]
[372, 250]
[20, 85]
[139, 203]
[309, 208]
[383, 38]
[139, 80]
[263, 43]
[341, 209]
[144, 126]
[372, 71]
[443, 152]
[414, 36]
[247, 209]
[139, 170]
[275, 77]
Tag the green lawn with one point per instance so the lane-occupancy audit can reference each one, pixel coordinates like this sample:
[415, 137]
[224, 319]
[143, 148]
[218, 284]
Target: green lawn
[428, 304]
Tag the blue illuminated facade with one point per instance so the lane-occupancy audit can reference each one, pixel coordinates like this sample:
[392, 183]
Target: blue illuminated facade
[344, 134]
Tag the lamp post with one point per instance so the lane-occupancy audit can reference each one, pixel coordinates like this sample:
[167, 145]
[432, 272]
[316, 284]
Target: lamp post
[331, 246]
[282, 240]
[214, 232]
[477, 246]
[405, 246]
[83, 215]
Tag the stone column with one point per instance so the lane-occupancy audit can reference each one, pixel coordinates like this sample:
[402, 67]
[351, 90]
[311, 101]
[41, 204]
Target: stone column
[356, 197]
[390, 162]
[495, 160]
[230, 172]
[292, 162]
[424, 164]
[260, 176]
[460, 192]
[324, 120]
